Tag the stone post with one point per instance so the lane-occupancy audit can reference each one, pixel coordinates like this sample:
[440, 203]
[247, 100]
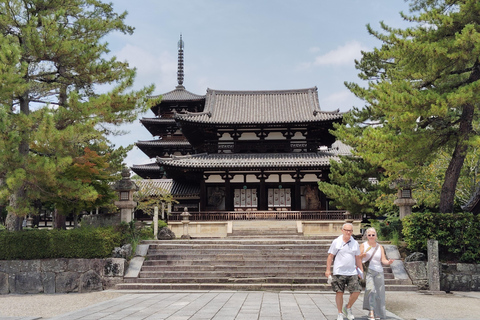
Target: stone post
[125, 203]
[185, 221]
[155, 222]
[433, 267]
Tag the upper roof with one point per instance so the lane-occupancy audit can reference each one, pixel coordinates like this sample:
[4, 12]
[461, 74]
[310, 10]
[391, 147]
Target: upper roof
[256, 107]
[179, 94]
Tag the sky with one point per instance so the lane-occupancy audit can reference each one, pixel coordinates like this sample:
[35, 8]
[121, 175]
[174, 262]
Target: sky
[248, 45]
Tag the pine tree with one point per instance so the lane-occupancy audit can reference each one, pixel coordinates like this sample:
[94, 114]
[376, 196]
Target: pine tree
[50, 108]
[422, 96]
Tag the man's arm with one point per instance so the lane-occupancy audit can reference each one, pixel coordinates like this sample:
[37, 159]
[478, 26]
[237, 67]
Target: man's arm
[329, 265]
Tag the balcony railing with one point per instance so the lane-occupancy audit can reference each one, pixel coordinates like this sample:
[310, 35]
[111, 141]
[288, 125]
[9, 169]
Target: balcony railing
[265, 215]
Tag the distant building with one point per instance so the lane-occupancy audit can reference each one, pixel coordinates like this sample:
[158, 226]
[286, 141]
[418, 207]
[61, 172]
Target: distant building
[243, 151]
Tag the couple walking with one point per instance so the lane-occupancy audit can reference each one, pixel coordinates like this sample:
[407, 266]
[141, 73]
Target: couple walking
[348, 255]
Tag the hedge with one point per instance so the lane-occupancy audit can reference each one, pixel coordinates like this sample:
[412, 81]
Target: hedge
[84, 243]
[458, 234]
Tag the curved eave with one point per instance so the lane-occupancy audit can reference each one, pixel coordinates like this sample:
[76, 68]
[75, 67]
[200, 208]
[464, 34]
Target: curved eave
[148, 171]
[197, 119]
[250, 161]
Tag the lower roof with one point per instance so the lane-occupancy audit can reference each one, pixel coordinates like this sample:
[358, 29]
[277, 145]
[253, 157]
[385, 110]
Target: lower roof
[250, 161]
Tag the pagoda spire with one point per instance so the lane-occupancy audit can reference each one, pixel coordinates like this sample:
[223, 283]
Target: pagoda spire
[180, 63]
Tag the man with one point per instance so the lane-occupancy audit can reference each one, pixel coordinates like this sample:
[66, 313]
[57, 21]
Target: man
[346, 252]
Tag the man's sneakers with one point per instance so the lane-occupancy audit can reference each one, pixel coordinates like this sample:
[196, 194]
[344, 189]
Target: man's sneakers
[348, 313]
[340, 316]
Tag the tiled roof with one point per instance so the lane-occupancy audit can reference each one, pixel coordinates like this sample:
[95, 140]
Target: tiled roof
[256, 107]
[157, 121]
[164, 142]
[146, 167]
[180, 94]
[157, 186]
[250, 160]
[340, 148]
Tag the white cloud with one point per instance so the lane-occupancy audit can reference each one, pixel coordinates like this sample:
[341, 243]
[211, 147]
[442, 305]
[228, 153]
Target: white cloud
[343, 100]
[158, 69]
[344, 55]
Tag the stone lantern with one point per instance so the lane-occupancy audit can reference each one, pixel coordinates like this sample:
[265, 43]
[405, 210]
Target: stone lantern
[125, 189]
[404, 198]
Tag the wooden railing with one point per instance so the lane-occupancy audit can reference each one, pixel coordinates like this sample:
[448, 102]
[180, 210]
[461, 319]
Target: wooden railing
[265, 215]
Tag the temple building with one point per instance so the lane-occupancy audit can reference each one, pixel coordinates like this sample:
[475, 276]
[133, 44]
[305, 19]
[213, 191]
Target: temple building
[242, 151]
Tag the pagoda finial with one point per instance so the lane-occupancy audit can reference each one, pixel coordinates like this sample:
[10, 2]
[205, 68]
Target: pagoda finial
[180, 62]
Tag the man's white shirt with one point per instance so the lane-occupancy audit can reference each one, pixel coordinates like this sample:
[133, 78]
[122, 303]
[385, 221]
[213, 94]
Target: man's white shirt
[344, 252]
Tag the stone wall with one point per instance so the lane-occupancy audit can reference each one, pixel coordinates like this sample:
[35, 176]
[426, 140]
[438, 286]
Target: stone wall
[60, 275]
[460, 277]
[453, 276]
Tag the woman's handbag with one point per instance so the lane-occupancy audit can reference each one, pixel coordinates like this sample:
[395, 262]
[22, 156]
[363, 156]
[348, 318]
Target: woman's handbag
[363, 281]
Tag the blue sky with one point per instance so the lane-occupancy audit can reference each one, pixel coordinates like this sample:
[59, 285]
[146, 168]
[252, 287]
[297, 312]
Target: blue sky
[249, 45]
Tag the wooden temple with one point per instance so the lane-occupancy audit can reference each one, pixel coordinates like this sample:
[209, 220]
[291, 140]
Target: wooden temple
[247, 153]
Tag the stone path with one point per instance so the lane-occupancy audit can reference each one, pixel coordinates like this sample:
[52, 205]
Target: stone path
[215, 305]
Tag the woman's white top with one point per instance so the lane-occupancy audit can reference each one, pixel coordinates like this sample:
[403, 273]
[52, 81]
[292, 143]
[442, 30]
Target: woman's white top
[376, 261]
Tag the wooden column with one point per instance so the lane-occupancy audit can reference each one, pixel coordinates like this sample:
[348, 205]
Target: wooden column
[298, 196]
[228, 191]
[262, 196]
[203, 193]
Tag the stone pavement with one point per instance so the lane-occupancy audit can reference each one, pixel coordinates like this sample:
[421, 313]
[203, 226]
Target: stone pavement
[215, 305]
[262, 305]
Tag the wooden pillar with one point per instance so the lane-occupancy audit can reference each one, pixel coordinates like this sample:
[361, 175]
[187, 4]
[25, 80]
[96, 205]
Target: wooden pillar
[203, 193]
[298, 195]
[228, 191]
[262, 196]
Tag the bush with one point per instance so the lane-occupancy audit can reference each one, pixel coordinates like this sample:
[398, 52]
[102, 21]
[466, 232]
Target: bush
[458, 234]
[389, 229]
[84, 243]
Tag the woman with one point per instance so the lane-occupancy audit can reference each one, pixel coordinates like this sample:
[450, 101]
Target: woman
[374, 297]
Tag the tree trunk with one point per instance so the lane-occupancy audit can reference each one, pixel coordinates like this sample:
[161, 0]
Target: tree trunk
[447, 195]
[13, 221]
[465, 130]
[59, 220]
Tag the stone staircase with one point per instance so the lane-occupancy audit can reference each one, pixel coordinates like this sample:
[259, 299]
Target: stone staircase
[243, 262]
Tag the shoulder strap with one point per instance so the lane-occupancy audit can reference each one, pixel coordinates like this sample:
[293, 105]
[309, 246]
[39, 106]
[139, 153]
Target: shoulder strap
[376, 247]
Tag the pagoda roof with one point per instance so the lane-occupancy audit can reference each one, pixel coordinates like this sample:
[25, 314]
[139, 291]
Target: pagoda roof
[179, 94]
[155, 187]
[249, 161]
[169, 141]
[156, 121]
[149, 170]
[260, 107]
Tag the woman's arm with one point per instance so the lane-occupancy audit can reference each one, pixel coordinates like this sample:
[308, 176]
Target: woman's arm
[384, 257]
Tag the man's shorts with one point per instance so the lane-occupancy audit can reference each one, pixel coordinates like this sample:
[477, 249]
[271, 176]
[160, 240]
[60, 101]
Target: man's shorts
[339, 283]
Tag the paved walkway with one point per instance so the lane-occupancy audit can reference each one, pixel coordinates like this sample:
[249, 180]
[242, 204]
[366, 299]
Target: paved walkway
[214, 305]
[265, 305]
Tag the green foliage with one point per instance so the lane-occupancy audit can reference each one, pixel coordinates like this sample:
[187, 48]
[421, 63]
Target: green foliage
[422, 95]
[134, 232]
[354, 186]
[458, 234]
[54, 126]
[84, 243]
[389, 229]
[149, 198]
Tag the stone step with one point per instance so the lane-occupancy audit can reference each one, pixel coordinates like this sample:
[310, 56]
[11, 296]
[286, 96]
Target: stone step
[245, 286]
[245, 241]
[289, 263]
[262, 278]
